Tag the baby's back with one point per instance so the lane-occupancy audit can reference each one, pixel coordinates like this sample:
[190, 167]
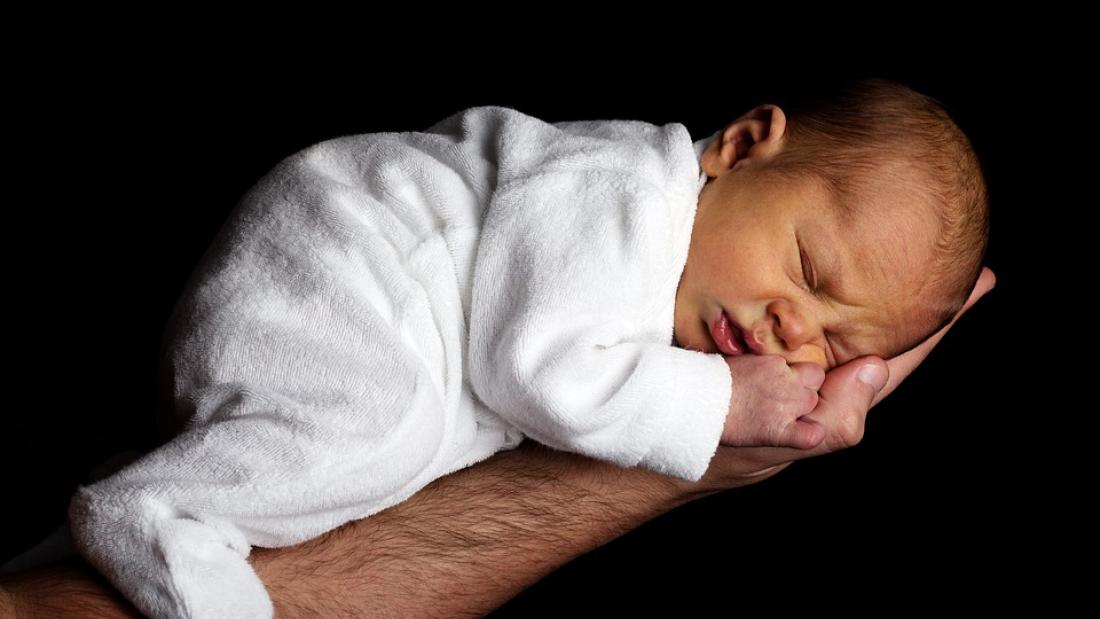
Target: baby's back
[339, 244]
[317, 365]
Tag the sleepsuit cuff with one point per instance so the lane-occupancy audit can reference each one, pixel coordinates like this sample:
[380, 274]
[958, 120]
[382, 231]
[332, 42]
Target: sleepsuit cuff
[685, 432]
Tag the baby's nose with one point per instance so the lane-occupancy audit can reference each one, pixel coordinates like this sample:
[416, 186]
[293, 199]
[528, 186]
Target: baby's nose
[754, 340]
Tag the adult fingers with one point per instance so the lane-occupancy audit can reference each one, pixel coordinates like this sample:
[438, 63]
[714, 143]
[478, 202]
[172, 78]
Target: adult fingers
[804, 433]
[844, 399]
[842, 408]
[902, 365]
[842, 405]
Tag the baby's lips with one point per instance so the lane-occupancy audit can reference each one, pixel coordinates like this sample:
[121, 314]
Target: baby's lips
[723, 333]
[746, 338]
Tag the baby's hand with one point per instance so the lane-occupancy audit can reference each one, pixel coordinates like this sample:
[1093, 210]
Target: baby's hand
[768, 398]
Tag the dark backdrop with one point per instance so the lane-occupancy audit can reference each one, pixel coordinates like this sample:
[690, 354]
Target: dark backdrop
[129, 171]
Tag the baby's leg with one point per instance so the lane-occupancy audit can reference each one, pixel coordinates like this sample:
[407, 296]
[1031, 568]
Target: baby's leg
[173, 529]
[310, 409]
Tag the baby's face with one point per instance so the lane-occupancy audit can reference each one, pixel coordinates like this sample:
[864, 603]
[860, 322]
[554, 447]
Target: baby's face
[775, 258]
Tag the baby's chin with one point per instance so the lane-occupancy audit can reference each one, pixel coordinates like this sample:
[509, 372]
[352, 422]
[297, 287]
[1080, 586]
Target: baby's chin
[677, 344]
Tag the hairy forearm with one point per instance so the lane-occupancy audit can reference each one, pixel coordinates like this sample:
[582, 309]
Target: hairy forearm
[460, 547]
[468, 542]
[69, 589]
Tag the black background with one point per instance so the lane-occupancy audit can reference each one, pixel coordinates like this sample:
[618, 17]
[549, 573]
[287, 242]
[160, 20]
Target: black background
[129, 163]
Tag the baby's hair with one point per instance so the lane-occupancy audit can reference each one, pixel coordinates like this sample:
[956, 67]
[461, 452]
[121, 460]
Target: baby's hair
[844, 133]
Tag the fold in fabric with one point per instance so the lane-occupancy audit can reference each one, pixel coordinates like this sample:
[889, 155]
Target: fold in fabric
[380, 310]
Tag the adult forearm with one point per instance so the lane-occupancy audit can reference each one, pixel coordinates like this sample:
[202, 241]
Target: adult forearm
[462, 546]
[468, 542]
[69, 589]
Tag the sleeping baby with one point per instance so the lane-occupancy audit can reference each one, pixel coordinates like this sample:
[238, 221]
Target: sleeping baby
[383, 309]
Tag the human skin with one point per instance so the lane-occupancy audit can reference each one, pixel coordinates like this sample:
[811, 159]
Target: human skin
[470, 541]
[778, 260]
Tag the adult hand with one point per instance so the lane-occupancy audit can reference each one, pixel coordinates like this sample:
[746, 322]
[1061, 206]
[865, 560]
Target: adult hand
[842, 409]
[462, 532]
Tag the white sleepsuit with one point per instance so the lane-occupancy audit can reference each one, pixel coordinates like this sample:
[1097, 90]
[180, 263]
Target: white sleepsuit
[382, 309]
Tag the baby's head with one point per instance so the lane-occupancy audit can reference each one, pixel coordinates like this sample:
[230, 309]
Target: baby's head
[854, 222]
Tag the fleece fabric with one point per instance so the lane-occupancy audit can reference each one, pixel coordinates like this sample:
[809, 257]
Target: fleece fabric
[380, 310]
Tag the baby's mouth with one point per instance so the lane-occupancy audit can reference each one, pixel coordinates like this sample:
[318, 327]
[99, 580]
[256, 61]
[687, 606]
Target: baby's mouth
[727, 336]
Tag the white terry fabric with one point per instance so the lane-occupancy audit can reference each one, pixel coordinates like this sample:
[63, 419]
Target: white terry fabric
[322, 368]
[574, 289]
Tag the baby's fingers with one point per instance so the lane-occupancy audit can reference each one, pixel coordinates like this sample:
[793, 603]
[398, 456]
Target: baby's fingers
[804, 433]
[811, 374]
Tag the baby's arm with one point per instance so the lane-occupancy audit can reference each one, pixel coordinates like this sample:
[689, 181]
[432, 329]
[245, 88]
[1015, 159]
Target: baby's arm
[575, 274]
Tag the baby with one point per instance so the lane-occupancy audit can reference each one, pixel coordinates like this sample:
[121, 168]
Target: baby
[384, 309]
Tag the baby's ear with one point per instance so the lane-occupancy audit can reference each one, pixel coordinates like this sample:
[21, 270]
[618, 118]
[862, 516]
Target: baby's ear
[711, 161]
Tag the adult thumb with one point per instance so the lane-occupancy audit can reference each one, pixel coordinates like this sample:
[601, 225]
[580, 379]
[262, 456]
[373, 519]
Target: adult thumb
[847, 395]
[865, 376]
[873, 373]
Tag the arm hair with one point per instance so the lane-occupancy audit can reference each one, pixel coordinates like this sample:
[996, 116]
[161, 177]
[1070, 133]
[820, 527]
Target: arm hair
[461, 547]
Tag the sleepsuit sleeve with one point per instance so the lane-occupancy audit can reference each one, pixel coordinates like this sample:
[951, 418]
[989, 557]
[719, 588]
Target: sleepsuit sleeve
[573, 292]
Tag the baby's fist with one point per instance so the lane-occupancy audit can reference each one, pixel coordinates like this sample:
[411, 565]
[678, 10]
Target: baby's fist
[768, 399]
